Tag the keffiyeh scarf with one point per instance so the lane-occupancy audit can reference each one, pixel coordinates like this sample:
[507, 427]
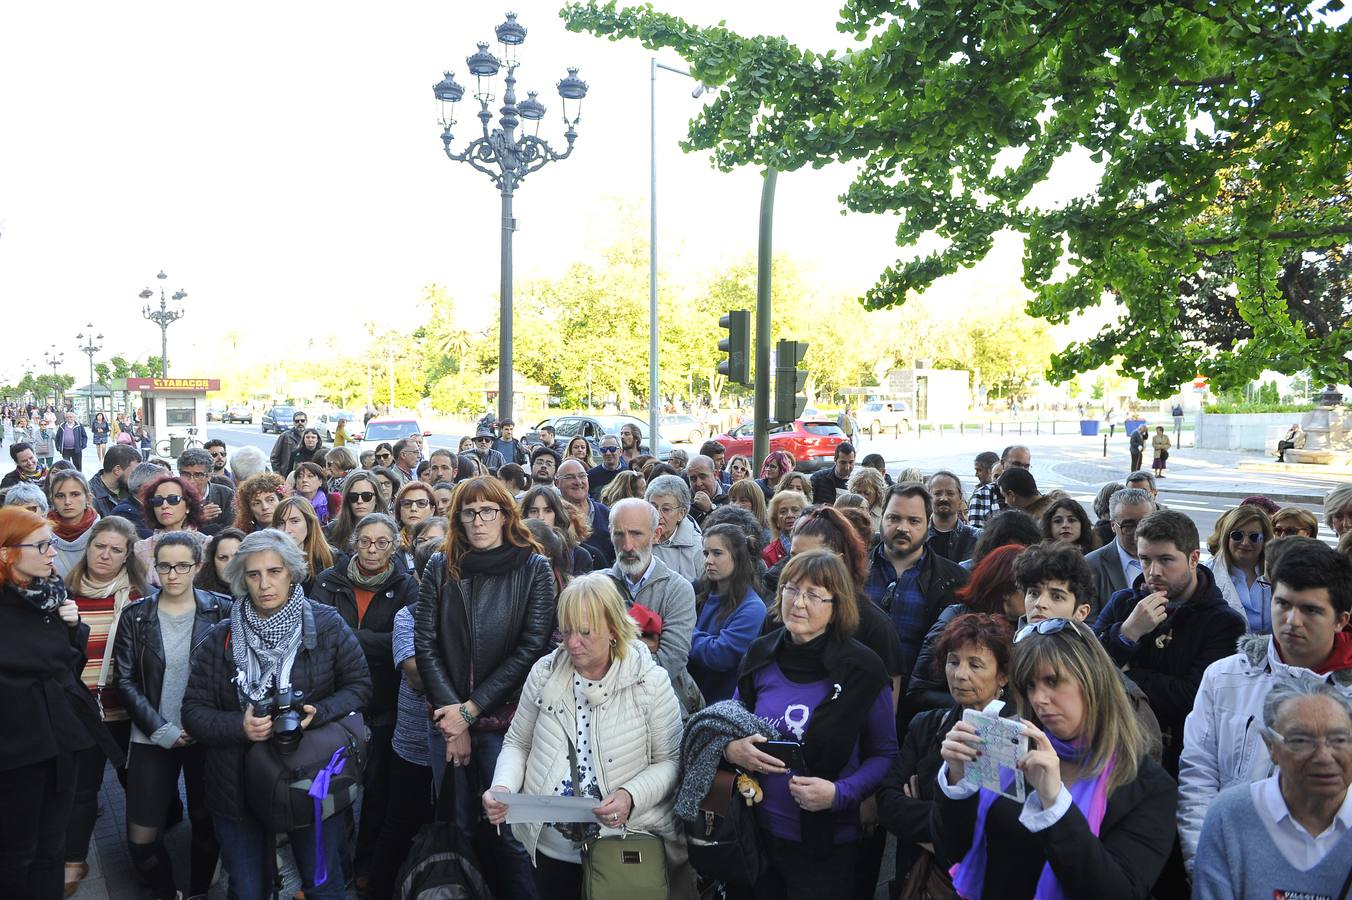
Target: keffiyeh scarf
[265, 648]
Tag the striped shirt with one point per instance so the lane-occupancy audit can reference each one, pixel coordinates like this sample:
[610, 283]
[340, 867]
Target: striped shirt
[98, 613]
[412, 722]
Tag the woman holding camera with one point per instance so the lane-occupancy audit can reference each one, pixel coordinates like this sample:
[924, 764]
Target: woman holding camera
[276, 639]
[1099, 818]
[155, 643]
[52, 717]
[601, 708]
[485, 614]
[831, 697]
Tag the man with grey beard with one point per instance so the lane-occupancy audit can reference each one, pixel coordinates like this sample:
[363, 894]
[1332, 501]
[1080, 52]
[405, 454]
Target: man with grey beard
[646, 581]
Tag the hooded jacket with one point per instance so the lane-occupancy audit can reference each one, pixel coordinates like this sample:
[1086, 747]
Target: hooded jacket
[1222, 744]
[683, 552]
[1168, 662]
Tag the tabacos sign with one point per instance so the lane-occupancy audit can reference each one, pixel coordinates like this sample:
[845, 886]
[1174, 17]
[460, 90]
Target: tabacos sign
[173, 384]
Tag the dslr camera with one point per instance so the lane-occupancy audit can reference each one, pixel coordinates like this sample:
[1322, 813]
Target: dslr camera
[284, 707]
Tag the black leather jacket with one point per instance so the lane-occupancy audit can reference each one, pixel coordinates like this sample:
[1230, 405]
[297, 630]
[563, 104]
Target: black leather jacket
[138, 652]
[499, 631]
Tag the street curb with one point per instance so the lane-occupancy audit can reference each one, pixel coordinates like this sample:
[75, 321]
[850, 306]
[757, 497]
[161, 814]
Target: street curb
[1315, 499]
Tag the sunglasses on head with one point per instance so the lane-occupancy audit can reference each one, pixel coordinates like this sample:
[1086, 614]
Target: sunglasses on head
[1046, 626]
[171, 499]
[1255, 537]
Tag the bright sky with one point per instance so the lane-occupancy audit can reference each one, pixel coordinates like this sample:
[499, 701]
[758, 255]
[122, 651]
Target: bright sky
[281, 162]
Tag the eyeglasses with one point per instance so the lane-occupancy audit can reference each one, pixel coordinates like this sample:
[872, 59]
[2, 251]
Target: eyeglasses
[1305, 744]
[171, 499]
[609, 450]
[196, 476]
[419, 503]
[43, 547]
[574, 477]
[360, 496]
[298, 421]
[487, 514]
[792, 593]
[181, 568]
[1286, 530]
[217, 454]
[378, 543]
[1128, 524]
[384, 454]
[1255, 537]
[1046, 626]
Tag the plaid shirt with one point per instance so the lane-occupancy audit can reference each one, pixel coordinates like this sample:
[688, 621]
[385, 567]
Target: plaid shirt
[900, 597]
[984, 503]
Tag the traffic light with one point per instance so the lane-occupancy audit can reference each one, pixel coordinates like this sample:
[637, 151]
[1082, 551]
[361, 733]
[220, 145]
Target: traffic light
[789, 380]
[737, 345]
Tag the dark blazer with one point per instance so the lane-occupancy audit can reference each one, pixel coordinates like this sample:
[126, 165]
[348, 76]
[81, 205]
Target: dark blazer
[1168, 662]
[928, 688]
[1122, 863]
[500, 630]
[375, 631]
[138, 653]
[329, 668]
[909, 817]
[1108, 578]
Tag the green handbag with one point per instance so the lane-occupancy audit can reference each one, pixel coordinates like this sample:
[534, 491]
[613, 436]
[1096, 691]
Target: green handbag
[631, 865]
[628, 866]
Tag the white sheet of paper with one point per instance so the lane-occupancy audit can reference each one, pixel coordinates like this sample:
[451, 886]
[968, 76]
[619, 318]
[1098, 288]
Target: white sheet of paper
[547, 808]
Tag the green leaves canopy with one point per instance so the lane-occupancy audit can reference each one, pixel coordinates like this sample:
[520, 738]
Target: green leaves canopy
[1220, 128]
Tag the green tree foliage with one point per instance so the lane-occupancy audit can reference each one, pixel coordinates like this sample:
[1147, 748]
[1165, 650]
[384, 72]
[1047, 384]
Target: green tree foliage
[1221, 128]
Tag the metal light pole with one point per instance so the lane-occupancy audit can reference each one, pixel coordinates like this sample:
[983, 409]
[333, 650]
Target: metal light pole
[89, 349]
[654, 404]
[163, 317]
[54, 359]
[506, 157]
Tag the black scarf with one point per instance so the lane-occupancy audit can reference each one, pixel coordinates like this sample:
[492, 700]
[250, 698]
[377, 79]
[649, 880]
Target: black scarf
[498, 561]
[857, 675]
[45, 594]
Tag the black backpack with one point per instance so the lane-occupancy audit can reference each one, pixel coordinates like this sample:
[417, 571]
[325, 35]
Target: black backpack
[439, 865]
[722, 841]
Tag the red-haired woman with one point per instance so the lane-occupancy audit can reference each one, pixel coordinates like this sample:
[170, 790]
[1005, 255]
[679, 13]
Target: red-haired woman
[992, 590]
[169, 503]
[485, 615]
[52, 716]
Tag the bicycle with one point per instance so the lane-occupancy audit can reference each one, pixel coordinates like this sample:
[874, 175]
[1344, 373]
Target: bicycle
[164, 448]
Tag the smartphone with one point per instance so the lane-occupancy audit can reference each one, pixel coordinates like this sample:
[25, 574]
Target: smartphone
[790, 753]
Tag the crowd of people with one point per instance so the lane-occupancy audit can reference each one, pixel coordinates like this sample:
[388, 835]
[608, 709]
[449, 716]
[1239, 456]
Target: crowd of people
[722, 661]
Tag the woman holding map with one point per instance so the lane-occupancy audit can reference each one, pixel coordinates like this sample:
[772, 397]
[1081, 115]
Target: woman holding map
[1098, 818]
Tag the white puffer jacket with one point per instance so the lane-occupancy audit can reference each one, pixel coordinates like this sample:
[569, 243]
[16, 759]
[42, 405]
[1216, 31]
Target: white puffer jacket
[1222, 736]
[636, 736]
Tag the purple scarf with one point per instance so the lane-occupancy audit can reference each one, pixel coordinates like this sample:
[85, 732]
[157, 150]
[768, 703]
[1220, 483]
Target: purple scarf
[320, 504]
[1089, 794]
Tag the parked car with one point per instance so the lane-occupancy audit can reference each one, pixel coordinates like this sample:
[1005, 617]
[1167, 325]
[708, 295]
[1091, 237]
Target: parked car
[238, 413]
[385, 430]
[277, 419]
[215, 413]
[325, 421]
[812, 443]
[683, 428]
[593, 428]
[880, 416]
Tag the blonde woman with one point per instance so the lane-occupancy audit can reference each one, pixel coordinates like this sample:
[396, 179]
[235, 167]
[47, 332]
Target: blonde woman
[1099, 818]
[614, 709]
[785, 508]
[626, 484]
[1237, 548]
[868, 483]
[739, 467]
[795, 481]
[296, 518]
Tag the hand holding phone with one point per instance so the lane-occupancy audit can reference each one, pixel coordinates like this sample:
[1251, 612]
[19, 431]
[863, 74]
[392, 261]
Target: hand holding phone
[790, 753]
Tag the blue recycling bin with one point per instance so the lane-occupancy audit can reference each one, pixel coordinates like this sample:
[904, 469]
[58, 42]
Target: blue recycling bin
[1134, 424]
[1089, 427]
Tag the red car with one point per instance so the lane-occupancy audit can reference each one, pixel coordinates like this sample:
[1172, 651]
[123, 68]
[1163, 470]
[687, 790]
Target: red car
[811, 442]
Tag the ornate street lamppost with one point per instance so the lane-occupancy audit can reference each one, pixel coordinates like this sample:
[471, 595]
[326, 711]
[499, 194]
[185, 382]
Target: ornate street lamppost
[505, 156]
[54, 359]
[89, 348]
[163, 317]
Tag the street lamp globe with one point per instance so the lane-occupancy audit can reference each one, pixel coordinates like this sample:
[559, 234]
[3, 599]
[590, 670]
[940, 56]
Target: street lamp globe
[484, 67]
[511, 35]
[572, 89]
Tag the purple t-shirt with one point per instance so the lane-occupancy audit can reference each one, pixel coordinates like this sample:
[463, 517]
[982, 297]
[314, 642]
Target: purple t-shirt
[789, 706]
